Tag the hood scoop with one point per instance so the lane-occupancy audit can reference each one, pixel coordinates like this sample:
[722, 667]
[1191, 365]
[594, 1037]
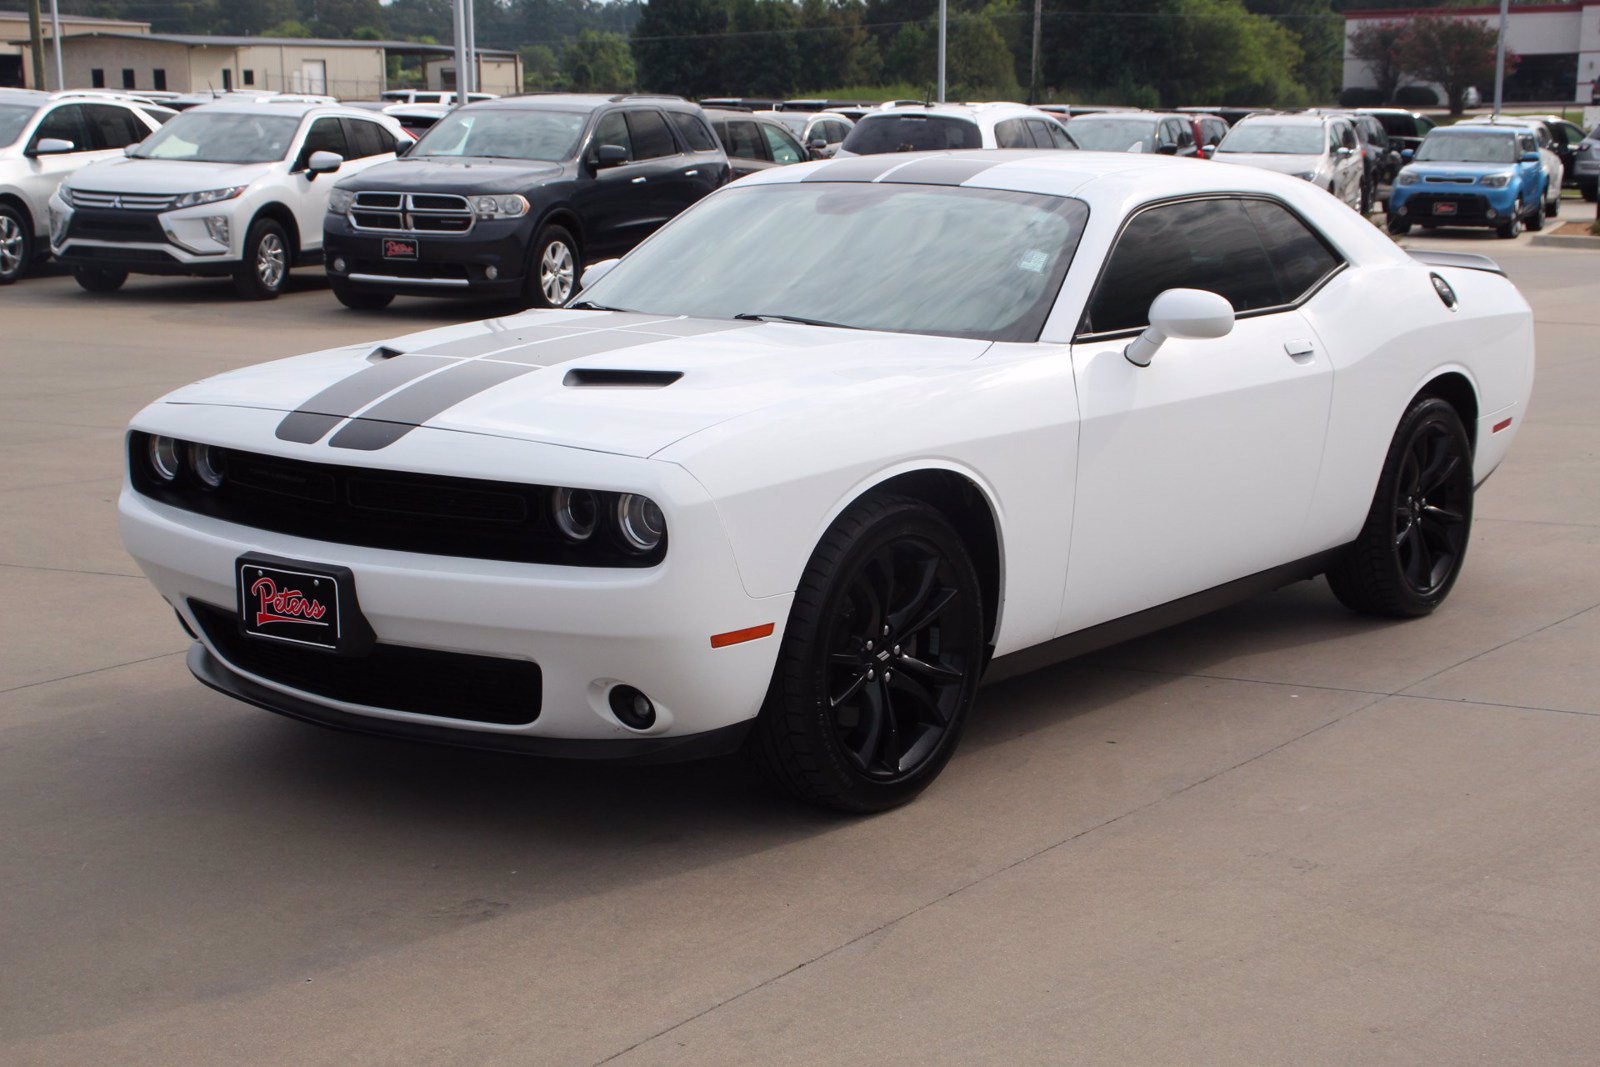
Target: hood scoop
[604, 378]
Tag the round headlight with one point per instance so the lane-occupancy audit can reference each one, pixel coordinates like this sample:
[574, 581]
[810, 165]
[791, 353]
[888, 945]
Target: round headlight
[486, 205]
[164, 458]
[641, 522]
[208, 465]
[576, 512]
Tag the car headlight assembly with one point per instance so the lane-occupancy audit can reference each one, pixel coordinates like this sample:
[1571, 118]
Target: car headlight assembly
[577, 513]
[208, 196]
[1406, 177]
[208, 465]
[631, 521]
[165, 458]
[500, 207]
[1495, 181]
[340, 201]
[640, 522]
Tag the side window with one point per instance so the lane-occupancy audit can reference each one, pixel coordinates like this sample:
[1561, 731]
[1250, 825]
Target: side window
[1059, 136]
[326, 135]
[1526, 143]
[1423, 126]
[1185, 134]
[744, 142]
[784, 148]
[1299, 257]
[651, 138]
[113, 127]
[612, 130]
[837, 131]
[65, 123]
[366, 139]
[1012, 134]
[693, 131]
[1040, 131]
[1196, 244]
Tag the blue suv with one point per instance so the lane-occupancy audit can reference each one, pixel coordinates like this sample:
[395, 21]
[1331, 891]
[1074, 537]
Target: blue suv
[1471, 176]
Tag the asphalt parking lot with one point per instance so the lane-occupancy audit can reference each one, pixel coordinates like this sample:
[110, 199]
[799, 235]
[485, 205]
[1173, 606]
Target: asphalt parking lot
[1280, 833]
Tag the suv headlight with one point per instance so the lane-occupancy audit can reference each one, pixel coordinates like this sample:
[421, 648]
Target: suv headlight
[1406, 177]
[209, 196]
[1495, 181]
[500, 207]
[340, 201]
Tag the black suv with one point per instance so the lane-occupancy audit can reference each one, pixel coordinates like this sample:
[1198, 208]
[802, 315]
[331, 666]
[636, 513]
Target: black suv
[511, 197]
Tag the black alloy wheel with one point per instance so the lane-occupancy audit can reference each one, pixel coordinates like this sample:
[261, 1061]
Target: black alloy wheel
[1409, 552]
[880, 662]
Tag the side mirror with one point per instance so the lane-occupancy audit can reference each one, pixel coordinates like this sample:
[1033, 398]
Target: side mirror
[1208, 150]
[595, 271]
[1530, 157]
[324, 162]
[1183, 313]
[1407, 155]
[1167, 148]
[819, 143]
[129, 149]
[1343, 152]
[53, 146]
[610, 155]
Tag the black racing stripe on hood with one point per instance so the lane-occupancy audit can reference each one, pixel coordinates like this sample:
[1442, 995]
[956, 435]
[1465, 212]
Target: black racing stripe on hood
[941, 171]
[315, 417]
[385, 423]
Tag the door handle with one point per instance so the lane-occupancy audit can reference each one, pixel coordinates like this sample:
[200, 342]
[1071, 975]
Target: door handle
[640, 181]
[1299, 349]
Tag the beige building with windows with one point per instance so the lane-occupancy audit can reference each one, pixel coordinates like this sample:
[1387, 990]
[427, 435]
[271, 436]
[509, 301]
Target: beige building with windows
[15, 62]
[180, 62]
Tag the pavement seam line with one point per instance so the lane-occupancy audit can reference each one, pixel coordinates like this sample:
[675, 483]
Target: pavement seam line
[1405, 690]
[1498, 704]
[66, 570]
[92, 670]
[1044, 850]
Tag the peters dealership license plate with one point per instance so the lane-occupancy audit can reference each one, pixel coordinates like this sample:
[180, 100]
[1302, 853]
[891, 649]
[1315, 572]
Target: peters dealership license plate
[279, 601]
[399, 248]
[1444, 209]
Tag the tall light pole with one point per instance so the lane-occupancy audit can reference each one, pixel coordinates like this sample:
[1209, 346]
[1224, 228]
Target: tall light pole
[944, 26]
[1033, 70]
[36, 44]
[460, 30]
[471, 20]
[55, 38]
[1500, 59]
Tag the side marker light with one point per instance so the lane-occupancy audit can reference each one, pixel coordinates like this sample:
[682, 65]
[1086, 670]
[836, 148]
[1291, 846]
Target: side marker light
[735, 637]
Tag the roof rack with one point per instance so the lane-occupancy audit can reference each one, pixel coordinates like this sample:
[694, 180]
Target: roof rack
[620, 97]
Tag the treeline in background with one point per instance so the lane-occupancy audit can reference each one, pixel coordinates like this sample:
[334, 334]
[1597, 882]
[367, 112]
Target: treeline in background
[1149, 53]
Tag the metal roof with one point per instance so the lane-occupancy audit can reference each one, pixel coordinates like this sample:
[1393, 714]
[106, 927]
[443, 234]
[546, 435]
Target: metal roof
[205, 40]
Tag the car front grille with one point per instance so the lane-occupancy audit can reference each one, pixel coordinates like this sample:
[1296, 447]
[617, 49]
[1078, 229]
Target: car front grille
[449, 685]
[1435, 180]
[131, 201]
[1468, 208]
[443, 213]
[102, 225]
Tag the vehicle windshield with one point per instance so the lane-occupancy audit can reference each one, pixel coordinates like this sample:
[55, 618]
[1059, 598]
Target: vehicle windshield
[877, 134]
[547, 136]
[1274, 138]
[1110, 135]
[959, 262]
[222, 137]
[1468, 148]
[13, 117]
[795, 122]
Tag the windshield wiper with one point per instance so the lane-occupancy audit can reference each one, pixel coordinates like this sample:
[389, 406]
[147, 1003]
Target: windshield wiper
[752, 316]
[590, 305]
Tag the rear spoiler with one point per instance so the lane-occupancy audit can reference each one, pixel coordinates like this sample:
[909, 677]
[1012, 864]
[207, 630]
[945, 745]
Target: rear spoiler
[1464, 260]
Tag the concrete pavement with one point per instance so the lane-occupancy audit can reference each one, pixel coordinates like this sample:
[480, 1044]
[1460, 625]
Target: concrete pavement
[1280, 833]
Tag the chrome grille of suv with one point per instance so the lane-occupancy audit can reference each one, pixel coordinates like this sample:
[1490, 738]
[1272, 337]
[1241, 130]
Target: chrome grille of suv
[411, 213]
[132, 201]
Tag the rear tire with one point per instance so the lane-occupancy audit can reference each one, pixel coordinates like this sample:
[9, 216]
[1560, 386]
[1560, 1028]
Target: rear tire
[554, 266]
[1409, 552]
[99, 280]
[267, 255]
[356, 300]
[1590, 190]
[1553, 208]
[16, 244]
[880, 661]
[1536, 220]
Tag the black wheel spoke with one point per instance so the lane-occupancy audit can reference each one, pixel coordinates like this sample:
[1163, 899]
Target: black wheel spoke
[926, 581]
[1442, 516]
[891, 750]
[852, 687]
[936, 672]
[1440, 473]
[936, 607]
[921, 698]
[866, 751]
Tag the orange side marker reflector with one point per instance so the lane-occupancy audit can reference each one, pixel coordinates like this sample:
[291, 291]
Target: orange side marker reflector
[1502, 424]
[735, 637]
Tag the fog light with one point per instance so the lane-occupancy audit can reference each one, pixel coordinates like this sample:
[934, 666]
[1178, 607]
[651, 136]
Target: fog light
[632, 708]
[1491, 214]
[164, 458]
[217, 228]
[1405, 209]
[338, 264]
[491, 273]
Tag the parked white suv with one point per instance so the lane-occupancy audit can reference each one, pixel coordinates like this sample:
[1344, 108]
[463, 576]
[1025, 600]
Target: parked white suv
[228, 189]
[937, 127]
[1324, 150]
[43, 138]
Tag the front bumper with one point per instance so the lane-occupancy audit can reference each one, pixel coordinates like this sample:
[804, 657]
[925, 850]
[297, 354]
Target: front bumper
[587, 629]
[145, 242]
[445, 264]
[1469, 205]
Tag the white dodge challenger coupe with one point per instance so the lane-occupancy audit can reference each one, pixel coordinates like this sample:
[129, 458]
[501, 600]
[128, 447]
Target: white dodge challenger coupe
[801, 469]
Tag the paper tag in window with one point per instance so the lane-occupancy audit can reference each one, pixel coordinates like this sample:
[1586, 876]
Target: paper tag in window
[1033, 261]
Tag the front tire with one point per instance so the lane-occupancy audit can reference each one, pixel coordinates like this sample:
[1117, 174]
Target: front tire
[1552, 207]
[1409, 552]
[1509, 229]
[98, 279]
[1398, 227]
[16, 244]
[266, 262]
[356, 300]
[880, 661]
[1590, 190]
[554, 267]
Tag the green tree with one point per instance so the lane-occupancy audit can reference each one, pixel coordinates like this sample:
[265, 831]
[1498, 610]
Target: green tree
[979, 65]
[598, 62]
[675, 47]
[288, 28]
[763, 59]
[540, 70]
[910, 57]
[1456, 53]
[1378, 44]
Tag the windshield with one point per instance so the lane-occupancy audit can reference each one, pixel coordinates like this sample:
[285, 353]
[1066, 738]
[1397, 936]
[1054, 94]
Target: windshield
[959, 262]
[795, 123]
[1468, 148]
[548, 136]
[877, 134]
[1270, 138]
[222, 137]
[13, 117]
[1110, 135]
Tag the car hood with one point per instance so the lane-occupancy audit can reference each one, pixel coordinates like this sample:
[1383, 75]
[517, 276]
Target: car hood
[163, 176]
[1456, 170]
[441, 174]
[1283, 163]
[616, 382]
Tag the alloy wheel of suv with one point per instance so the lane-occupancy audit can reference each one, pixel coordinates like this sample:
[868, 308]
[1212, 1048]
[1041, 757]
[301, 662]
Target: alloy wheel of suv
[266, 262]
[555, 268]
[15, 245]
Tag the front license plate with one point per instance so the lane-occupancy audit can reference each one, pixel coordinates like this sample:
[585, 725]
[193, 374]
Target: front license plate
[399, 248]
[280, 601]
[1444, 209]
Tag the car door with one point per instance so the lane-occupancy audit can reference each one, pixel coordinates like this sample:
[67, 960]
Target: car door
[1200, 468]
[781, 145]
[666, 189]
[1349, 164]
[311, 191]
[707, 165]
[1531, 173]
[747, 149]
[43, 173]
[606, 195]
